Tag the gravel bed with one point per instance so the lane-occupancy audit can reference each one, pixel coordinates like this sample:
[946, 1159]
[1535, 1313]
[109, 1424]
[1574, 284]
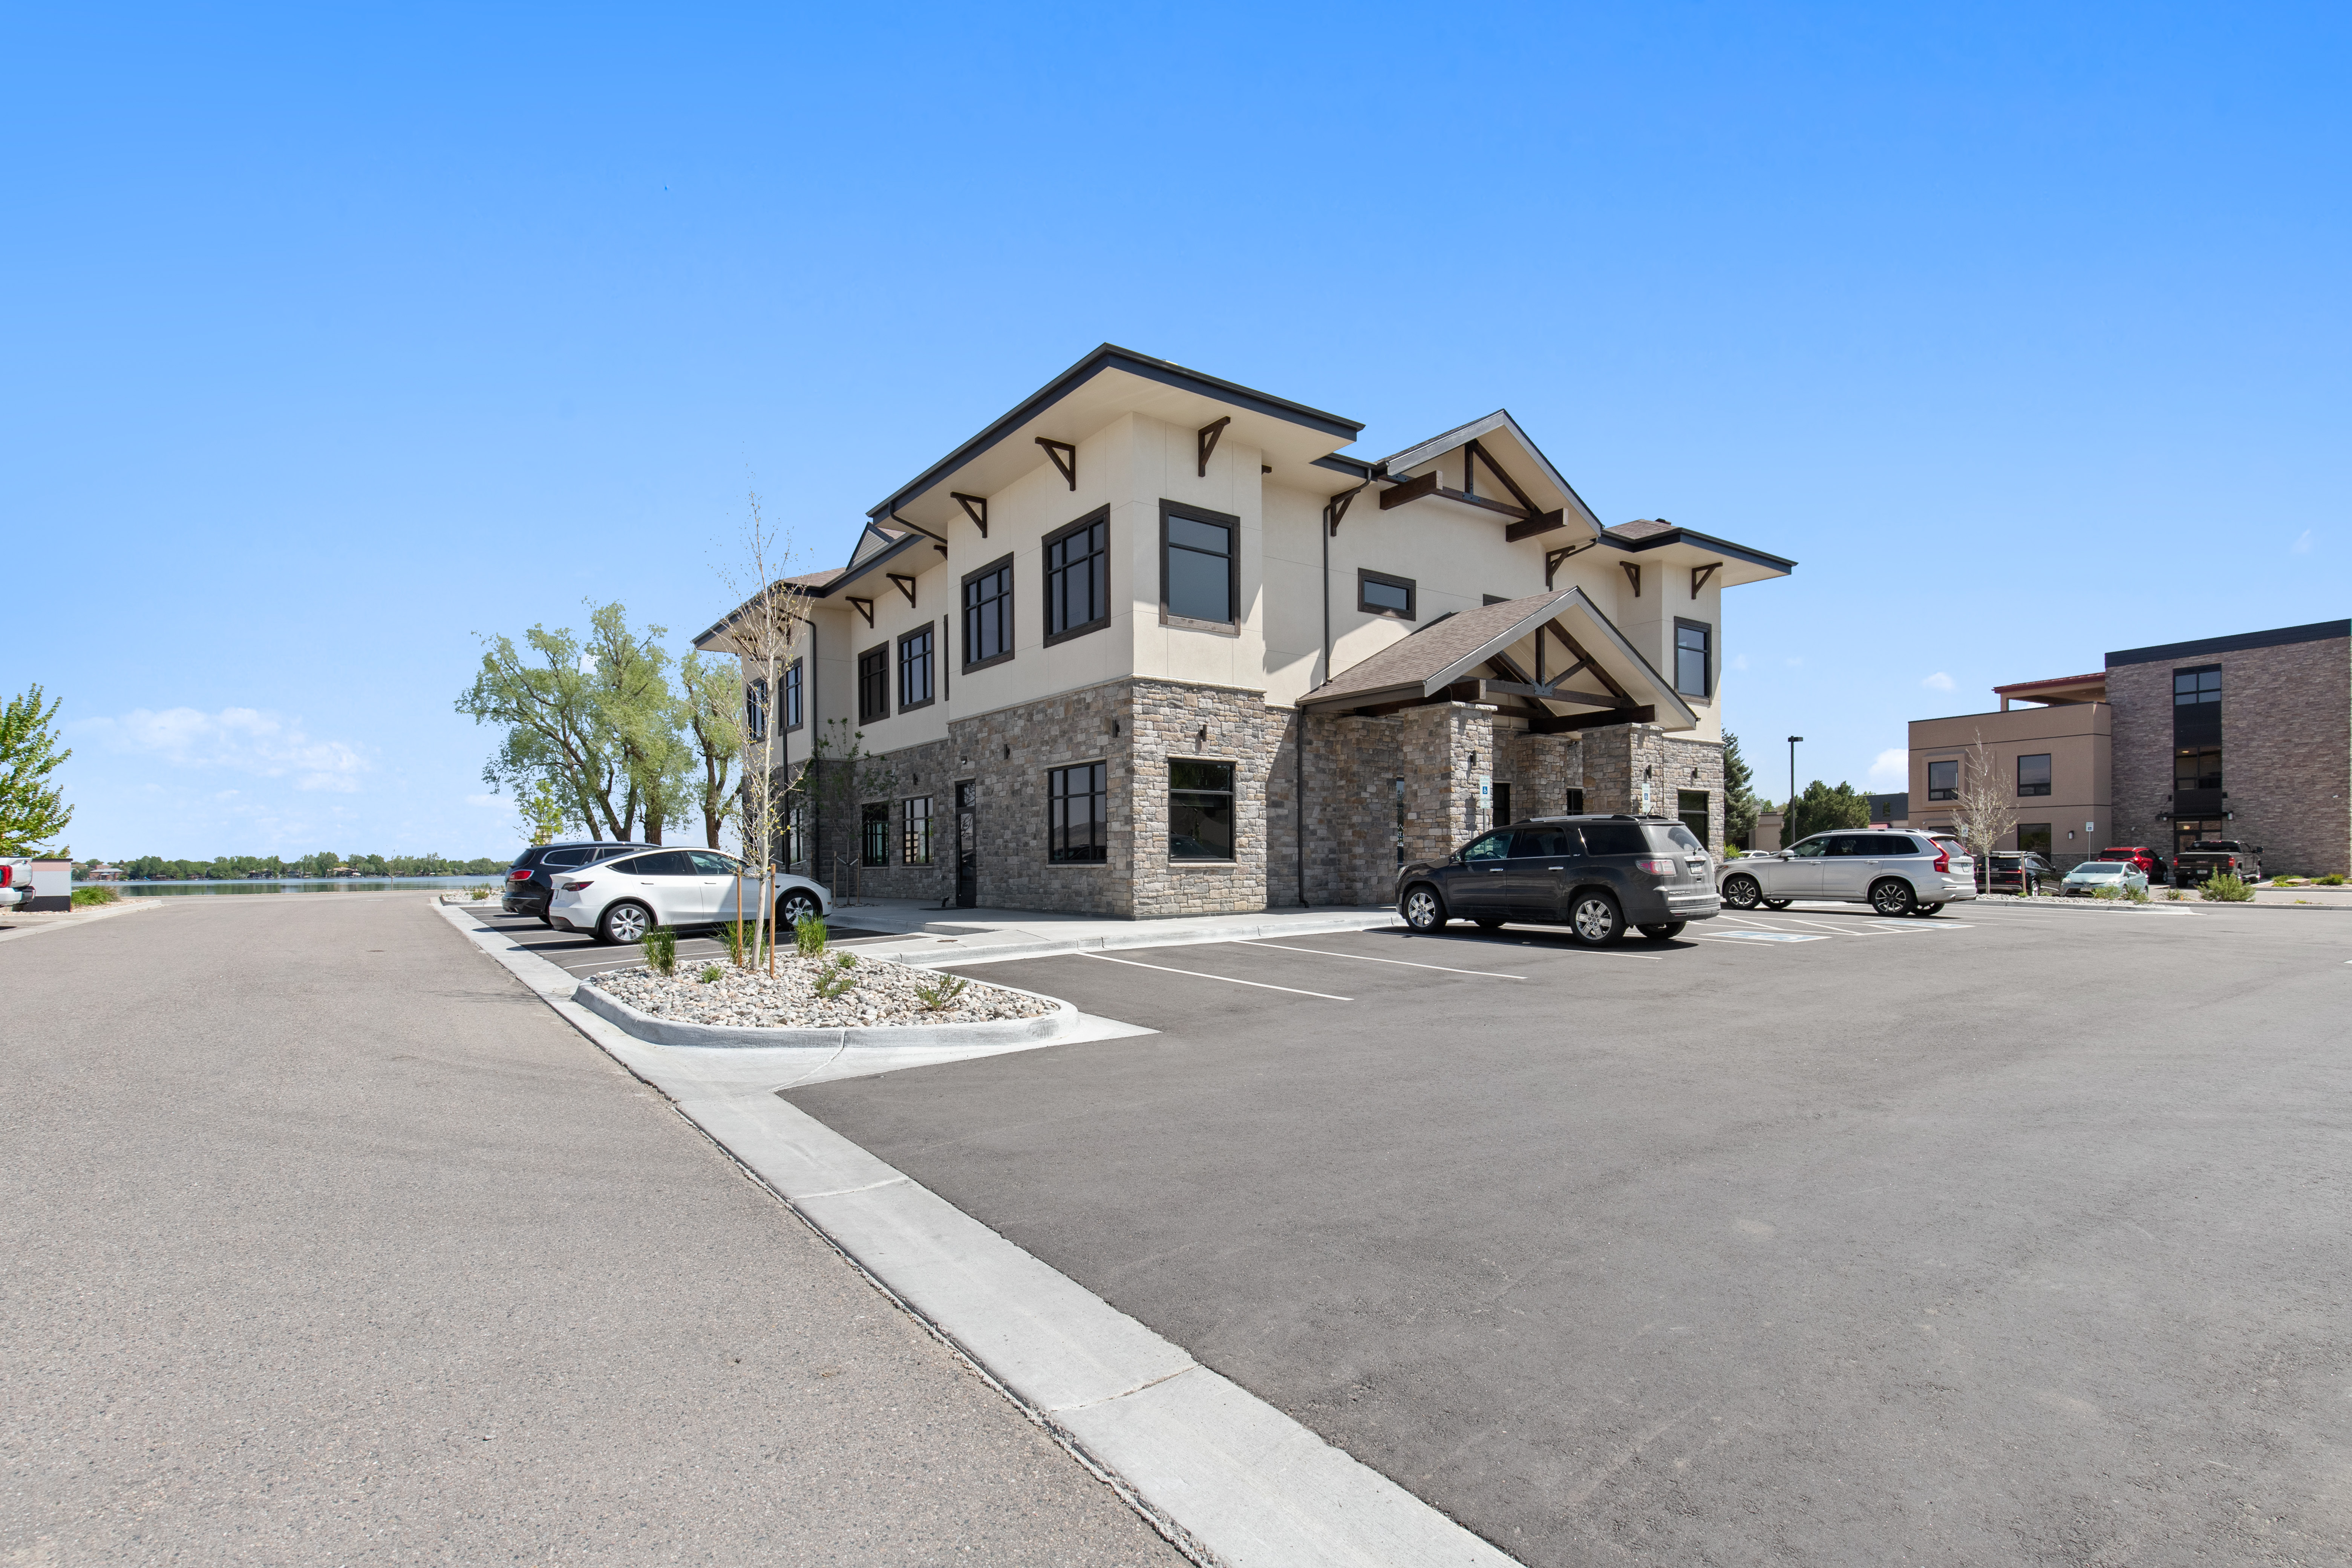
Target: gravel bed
[881, 992]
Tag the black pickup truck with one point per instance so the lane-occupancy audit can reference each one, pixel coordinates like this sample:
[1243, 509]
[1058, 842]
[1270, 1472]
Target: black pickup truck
[2209, 857]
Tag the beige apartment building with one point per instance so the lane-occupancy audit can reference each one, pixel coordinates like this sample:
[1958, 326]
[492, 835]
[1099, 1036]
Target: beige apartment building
[2247, 737]
[1152, 643]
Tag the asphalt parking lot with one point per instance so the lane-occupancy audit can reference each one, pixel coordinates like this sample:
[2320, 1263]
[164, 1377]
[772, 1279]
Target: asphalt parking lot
[2008, 1236]
[582, 956]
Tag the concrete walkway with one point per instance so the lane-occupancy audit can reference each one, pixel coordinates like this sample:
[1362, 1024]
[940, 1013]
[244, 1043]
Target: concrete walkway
[326, 1243]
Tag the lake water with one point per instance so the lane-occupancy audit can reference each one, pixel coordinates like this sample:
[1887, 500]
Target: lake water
[301, 885]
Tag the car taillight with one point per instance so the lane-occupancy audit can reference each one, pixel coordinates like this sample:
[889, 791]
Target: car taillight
[7, 872]
[1943, 861]
[521, 874]
[574, 887]
[1656, 867]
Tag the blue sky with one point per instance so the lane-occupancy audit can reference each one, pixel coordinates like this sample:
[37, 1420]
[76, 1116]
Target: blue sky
[336, 337]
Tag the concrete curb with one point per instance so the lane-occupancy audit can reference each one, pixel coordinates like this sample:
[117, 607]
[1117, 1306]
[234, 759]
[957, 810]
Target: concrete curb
[1225, 1477]
[86, 915]
[944, 952]
[1064, 1020]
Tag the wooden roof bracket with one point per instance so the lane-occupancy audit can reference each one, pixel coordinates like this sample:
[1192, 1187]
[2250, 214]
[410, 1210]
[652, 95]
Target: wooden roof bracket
[1552, 558]
[975, 507]
[1699, 574]
[1633, 575]
[905, 586]
[914, 527]
[1054, 449]
[1205, 439]
[864, 607]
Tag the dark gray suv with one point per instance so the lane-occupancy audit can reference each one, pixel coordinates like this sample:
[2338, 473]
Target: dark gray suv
[1598, 876]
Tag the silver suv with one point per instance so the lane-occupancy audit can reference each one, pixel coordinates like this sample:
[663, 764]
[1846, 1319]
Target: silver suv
[1894, 873]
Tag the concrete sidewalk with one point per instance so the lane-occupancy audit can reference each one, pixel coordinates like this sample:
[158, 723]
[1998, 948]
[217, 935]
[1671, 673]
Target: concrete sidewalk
[929, 935]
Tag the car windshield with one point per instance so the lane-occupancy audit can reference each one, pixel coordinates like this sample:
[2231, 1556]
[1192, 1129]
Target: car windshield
[2098, 867]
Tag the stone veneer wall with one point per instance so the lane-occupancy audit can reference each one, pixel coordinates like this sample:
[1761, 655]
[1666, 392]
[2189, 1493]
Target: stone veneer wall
[2286, 751]
[1620, 759]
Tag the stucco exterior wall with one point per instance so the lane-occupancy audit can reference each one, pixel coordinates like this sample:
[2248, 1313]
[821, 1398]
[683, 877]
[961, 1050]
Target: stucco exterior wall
[2078, 738]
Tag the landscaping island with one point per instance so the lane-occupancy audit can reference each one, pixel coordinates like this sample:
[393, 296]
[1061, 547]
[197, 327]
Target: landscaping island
[831, 991]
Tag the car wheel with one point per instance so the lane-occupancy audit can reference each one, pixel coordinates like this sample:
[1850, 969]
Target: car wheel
[1742, 892]
[1423, 910]
[1666, 931]
[1923, 910]
[1892, 896]
[624, 923]
[795, 907]
[1777, 903]
[1595, 917]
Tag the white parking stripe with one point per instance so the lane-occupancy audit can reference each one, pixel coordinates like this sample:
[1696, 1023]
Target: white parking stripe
[1367, 958]
[1226, 978]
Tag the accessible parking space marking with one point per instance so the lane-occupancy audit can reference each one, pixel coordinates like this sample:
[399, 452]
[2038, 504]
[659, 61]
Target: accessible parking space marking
[1198, 975]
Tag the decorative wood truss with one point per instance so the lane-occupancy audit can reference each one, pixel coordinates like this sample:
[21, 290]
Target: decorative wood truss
[1522, 694]
[1527, 521]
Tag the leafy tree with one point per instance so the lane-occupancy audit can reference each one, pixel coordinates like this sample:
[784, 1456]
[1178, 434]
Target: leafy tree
[32, 810]
[1738, 794]
[1821, 808]
[629, 678]
[713, 695]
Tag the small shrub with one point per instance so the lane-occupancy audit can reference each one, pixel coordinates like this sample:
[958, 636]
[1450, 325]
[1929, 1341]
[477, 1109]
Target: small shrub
[711, 973]
[477, 894]
[85, 897]
[832, 982]
[2333, 879]
[2289, 881]
[2225, 888]
[661, 950]
[742, 944]
[808, 935]
[940, 991]
[2111, 894]
[2137, 895]
[2173, 895]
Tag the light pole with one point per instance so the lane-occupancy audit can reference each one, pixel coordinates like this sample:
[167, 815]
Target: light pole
[1792, 782]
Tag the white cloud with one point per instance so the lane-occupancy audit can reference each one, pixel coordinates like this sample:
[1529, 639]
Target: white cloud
[1939, 682]
[1891, 770]
[237, 740]
[2302, 545]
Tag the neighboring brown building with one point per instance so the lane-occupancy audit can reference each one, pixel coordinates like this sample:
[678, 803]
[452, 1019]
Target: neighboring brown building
[2246, 737]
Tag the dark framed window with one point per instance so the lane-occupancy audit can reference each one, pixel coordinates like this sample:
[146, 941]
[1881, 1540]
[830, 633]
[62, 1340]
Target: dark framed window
[1502, 817]
[792, 695]
[1200, 565]
[874, 832]
[755, 707]
[1690, 805]
[2033, 774]
[988, 613]
[2194, 686]
[2197, 767]
[1199, 811]
[914, 835]
[2033, 838]
[1399, 821]
[915, 668]
[1378, 594]
[874, 684]
[1944, 780]
[1576, 803]
[796, 832]
[1077, 813]
[1694, 659]
[1078, 577]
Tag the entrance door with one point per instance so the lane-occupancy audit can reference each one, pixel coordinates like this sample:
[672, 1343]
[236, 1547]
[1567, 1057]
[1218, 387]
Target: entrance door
[967, 799]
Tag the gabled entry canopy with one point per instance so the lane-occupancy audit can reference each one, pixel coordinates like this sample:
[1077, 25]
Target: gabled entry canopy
[1490, 465]
[1553, 660]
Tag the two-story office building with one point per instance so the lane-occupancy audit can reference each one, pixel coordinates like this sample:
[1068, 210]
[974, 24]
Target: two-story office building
[1150, 644]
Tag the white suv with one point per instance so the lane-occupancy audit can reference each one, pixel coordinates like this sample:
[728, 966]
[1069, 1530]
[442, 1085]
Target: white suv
[620, 900]
[1895, 873]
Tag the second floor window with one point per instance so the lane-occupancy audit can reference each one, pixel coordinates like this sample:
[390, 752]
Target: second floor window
[1694, 662]
[2197, 767]
[2033, 774]
[792, 695]
[1197, 573]
[874, 684]
[1078, 577]
[988, 613]
[1944, 780]
[915, 670]
[755, 707]
[2194, 686]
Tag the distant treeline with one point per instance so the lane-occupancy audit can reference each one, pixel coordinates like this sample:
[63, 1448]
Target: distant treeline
[235, 867]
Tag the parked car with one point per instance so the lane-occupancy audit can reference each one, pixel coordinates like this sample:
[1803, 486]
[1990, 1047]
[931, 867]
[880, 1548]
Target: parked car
[2150, 863]
[619, 900]
[16, 883]
[1895, 873]
[2088, 877]
[531, 880]
[2015, 871]
[2211, 858]
[1596, 875]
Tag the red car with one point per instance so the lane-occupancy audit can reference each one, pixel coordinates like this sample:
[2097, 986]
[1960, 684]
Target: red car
[2150, 863]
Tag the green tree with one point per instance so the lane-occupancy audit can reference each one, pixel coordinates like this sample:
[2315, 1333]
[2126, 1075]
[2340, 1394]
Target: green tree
[1739, 795]
[629, 678]
[32, 809]
[713, 695]
[555, 731]
[1821, 808]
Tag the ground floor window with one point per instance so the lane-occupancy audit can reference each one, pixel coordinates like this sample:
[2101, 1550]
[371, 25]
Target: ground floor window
[2035, 839]
[1077, 821]
[915, 848]
[1576, 803]
[874, 823]
[796, 832]
[1199, 811]
[1502, 805]
[1690, 805]
[1400, 795]
[2186, 834]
